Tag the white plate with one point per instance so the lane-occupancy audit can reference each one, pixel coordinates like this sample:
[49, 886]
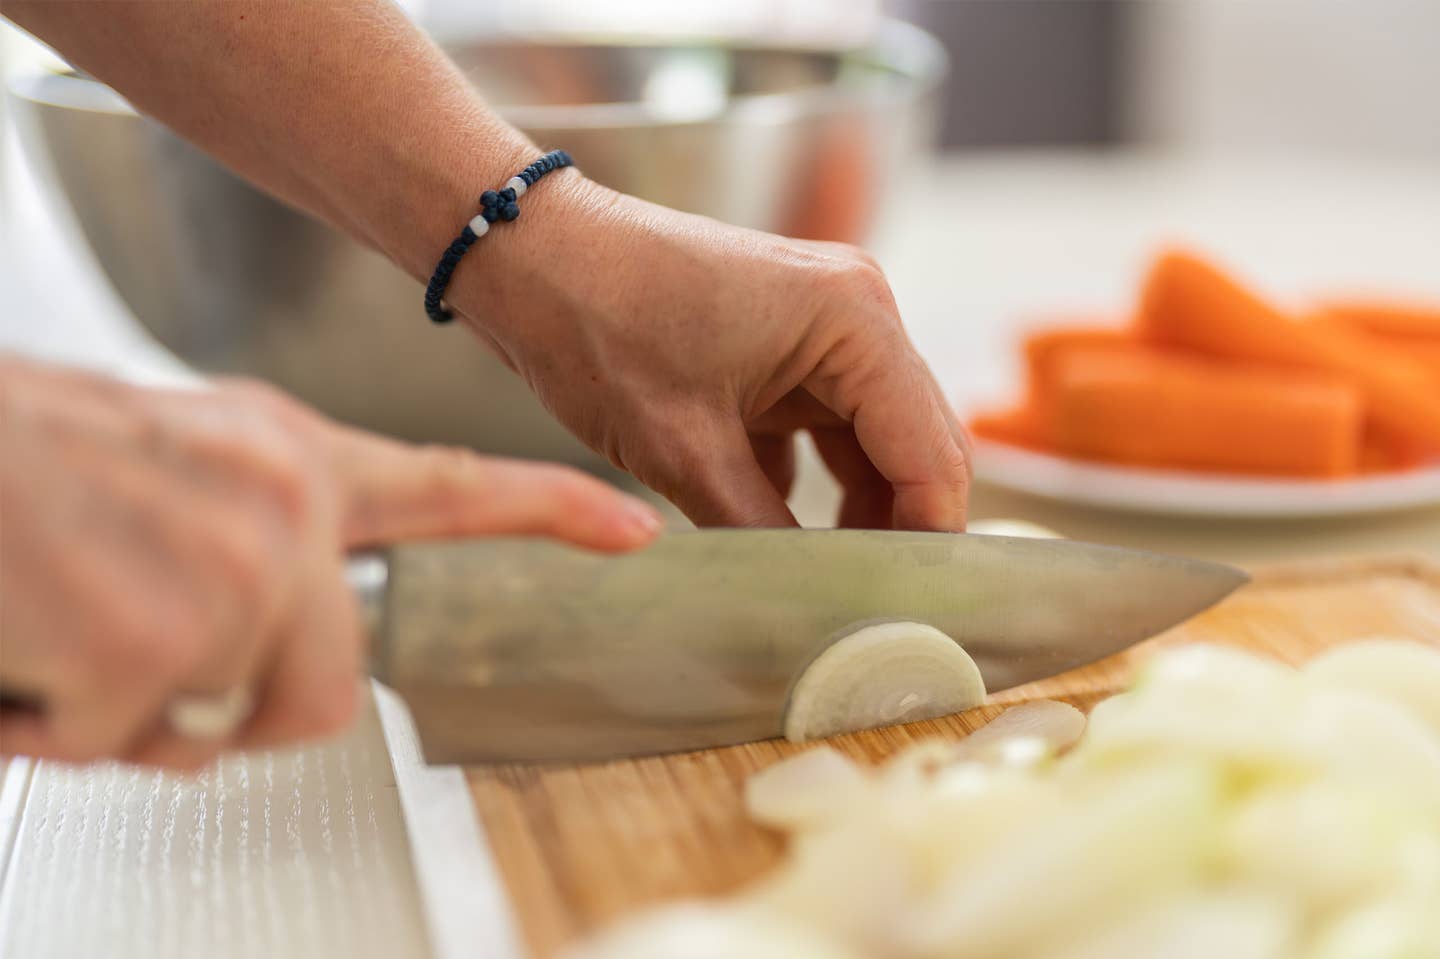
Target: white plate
[1199, 494]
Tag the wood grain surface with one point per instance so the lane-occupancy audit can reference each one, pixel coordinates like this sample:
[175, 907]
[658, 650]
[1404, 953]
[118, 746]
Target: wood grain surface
[580, 845]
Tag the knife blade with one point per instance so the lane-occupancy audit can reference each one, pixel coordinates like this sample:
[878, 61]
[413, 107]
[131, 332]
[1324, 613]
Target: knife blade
[526, 650]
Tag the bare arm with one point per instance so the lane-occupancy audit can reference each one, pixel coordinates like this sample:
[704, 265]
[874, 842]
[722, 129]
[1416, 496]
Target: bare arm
[687, 351]
[343, 109]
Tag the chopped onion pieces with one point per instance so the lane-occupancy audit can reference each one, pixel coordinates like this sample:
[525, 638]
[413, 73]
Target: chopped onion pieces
[1226, 806]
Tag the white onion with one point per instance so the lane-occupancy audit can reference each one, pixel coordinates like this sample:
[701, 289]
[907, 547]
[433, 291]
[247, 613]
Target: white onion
[1227, 805]
[1130, 837]
[804, 790]
[1326, 846]
[1236, 924]
[854, 884]
[879, 675]
[1402, 927]
[1055, 726]
[1400, 671]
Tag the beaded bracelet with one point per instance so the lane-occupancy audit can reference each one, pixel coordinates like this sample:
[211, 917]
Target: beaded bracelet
[494, 205]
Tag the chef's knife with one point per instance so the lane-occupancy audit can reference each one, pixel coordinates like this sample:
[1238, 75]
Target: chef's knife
[511, 650]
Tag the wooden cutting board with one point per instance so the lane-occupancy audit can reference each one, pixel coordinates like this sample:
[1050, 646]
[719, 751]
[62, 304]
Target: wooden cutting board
[578, 846]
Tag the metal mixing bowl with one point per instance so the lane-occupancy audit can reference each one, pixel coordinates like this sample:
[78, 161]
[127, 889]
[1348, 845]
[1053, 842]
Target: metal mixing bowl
[232, 281]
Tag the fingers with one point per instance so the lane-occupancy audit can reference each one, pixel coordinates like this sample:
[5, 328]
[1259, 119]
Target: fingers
[869, 500]
[391, 491]
[22, 732]
[908, 433]
[776, 456]
[310, 689]
[714, 478]
[307, 693]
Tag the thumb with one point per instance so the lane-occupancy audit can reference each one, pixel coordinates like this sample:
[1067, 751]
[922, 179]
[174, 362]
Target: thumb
[392, 491]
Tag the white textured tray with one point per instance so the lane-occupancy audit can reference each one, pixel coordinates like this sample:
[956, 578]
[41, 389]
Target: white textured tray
[302, 853]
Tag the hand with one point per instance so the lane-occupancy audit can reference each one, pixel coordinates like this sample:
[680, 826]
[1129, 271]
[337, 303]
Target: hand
[690, 352]
[166, 544]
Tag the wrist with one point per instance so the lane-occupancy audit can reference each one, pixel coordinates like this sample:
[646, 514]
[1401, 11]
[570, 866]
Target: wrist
[523, 274]
[433, 203]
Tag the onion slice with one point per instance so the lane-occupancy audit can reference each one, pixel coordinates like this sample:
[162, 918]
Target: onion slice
[879, 675]
[1054, 725]
[1400, 671]
[804, 791]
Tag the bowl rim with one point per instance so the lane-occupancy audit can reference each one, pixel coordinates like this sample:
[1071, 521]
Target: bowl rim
[901, 48]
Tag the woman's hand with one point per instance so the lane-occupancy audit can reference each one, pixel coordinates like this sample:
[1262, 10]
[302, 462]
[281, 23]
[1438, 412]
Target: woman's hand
[690, 352]
[158, 545]
[687, 351]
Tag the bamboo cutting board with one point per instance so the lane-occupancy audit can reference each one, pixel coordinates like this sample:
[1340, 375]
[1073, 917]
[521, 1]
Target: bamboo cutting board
[578, 846]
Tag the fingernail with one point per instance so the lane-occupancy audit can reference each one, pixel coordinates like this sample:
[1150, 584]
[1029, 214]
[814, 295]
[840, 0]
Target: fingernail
[643, 517]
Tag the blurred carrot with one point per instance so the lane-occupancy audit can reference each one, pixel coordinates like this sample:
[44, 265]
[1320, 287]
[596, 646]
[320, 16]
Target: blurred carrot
[1405, 332]
[1150, 408]
[1043, 346]
[1390, 321]
[1188, 304]
[1428, 354]
[1022, 426]
[1381, 452]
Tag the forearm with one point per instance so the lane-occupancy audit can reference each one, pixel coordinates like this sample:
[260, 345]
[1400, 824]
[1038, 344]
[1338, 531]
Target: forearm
[342, 109]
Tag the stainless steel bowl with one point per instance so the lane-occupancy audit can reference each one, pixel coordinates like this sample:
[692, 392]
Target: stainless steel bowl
[275, 295]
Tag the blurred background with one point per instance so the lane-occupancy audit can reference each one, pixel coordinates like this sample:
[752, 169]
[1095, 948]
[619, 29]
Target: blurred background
[1009, 161]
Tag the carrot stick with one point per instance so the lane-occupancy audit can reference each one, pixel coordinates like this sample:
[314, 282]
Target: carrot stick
[1188, 304]
[1390, 321]
[1042, 347]
[1428, 354]
[1382, 452]
[1022, 426]
[1150, 408]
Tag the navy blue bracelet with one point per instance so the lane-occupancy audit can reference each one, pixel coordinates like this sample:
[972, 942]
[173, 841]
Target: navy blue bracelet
[494, 205]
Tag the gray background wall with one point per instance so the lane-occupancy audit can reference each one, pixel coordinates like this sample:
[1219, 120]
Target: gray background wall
[1027, 72]
[1332, 75]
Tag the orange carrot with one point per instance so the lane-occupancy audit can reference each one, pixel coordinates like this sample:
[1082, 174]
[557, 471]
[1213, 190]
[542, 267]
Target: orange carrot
[1151, 408]
[1390, 321]
[1022, 426]
[1382, 452]
[1043, 346]
[1428, 354]
[1188, 304]
[1416, 345]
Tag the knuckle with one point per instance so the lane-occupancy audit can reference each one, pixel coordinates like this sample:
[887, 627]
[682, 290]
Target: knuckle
[860, 256]
[273, 449]
[865, 282]
[282, 471]
[260, 394]
[294, 490]
[246, 563]
[450, 472]
[449, 462]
